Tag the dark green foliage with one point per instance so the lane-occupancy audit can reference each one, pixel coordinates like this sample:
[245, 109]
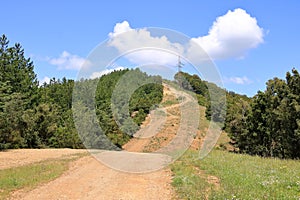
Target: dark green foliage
[58, 92]
[107, 122]
[271, 126]
[192, 83]
[131, 99]
[11, 123]
[17, 72]
[237, 108]
[209, 95]
[266, 125]
[143, 100]
[57, 98]
[216, 105]
[30, 116]
[38, 117]
[18, 86]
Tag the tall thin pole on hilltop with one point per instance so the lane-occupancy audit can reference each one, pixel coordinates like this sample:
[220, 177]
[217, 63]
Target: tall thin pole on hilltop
[179, 64]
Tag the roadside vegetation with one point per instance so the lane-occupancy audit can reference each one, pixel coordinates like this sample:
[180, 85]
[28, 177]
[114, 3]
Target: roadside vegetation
[225, 175]
[266, 127]
[29, 176]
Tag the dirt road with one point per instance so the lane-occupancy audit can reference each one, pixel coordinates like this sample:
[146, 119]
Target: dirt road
[19, 157]
[168, 123]
[159, 127]
[88, 178]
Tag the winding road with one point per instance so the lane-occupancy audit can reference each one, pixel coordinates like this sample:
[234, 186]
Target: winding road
[88, 178]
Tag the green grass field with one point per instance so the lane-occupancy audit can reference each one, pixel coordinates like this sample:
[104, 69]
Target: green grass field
[240, 177]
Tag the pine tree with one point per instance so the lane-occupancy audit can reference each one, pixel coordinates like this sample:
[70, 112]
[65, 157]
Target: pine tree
[18, 86]
[272, 125]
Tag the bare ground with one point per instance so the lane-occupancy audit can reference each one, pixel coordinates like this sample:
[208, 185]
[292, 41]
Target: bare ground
[19, 157]
[164, 127]
[87, 178]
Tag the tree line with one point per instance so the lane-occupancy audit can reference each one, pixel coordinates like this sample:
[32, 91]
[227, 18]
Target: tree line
[122, 101]
[267, 124]
[270, 125]
[33, 116]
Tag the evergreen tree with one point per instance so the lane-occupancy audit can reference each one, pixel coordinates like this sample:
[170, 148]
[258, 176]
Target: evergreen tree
[271, 127]
[18, 85]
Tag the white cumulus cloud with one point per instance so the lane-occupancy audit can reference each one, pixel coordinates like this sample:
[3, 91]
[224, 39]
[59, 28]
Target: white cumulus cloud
[148, 49]
[120, 28]
[231, 35]
[68, 61]
[104, 72]
[238, 80]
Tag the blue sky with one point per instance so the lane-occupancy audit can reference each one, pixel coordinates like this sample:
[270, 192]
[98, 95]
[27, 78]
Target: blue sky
[58, 35]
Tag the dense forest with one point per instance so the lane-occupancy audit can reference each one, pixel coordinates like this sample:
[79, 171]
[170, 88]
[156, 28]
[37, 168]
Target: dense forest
[33, 116]
[122, 101]
[40, 116]
[270, 125]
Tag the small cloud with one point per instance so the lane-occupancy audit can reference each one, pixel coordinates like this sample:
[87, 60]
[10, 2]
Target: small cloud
[238, 80]
[68, 61]
[120, 28]
[231, 35]
[46, 79]
[104, 72]
[152, 56]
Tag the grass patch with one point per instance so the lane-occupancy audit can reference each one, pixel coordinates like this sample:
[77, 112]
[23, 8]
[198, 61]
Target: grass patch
[187, 181]
[241, 177]
[169, 103]
[223, 143]
[29, 176]
[203, 122]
